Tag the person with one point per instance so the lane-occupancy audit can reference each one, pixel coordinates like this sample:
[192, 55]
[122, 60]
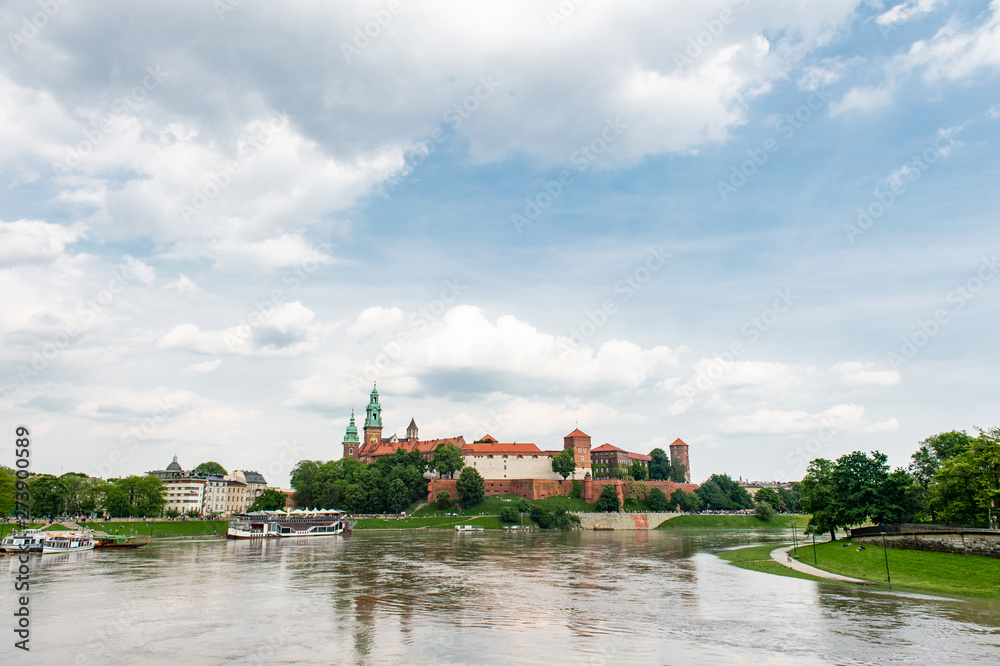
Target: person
[860, 548]
[789, 555]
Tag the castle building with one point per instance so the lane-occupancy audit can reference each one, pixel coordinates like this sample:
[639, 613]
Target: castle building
[609, 460]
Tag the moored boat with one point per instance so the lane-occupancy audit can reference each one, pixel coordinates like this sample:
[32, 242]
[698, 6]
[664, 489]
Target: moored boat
[25, 541]
[67, 543]
[119, 541]
[469, 528]
[283, 524]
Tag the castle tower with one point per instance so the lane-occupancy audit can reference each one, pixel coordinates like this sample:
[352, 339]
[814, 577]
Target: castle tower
[679, 453]
[411, 431]
[351, 443]
[373, 420]
[579, 441]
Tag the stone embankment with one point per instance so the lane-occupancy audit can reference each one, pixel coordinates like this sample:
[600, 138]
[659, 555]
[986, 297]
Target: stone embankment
[623, 521]
[969, 542]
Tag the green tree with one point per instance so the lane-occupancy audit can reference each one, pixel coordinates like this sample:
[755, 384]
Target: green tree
[192, 513]
[659, 465]
[522, 505]
[140, 496]
[764, 510]
[509, 514]
[471, 487]
[927, 460]
[678, 473]
[657, 500]
[443, 500]
[721, 493]
[608, 501]
[769, 495]
[271, 499]
[564, 463]
[819, 498]
[211, 467]
[637, 471]
[791, 498]
[172, 512]
[447, 460]
[685, 501]
[47, 496]
[967, 487]
[8, 485]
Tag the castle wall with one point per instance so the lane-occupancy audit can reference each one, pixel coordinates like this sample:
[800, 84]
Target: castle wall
[535, 489]
[592, 488]
[513, 466]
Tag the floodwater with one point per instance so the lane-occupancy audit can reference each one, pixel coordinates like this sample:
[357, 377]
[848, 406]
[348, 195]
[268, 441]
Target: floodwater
[440, 597]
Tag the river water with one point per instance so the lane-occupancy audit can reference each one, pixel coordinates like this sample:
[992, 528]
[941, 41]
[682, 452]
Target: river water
[440, 597]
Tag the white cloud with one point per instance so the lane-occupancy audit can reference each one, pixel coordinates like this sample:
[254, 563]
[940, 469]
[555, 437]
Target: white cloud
[182, 284]
[285, 330]
[863, 98]
[993, 112]
[35, 241]
[375, 320]
[203, 368]
[908, 10]
[138, 269]
[885, 426]
[828, 72]
[855, 373]
[776, 421]
[957, 51]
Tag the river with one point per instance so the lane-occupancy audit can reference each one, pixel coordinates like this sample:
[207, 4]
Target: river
[439, 597]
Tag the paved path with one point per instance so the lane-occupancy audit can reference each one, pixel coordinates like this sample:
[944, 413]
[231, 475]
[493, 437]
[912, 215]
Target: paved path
[780, 555]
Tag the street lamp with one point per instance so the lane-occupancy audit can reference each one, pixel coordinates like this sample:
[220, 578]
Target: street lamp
[886, 553]
[795, 545]
[814, 546]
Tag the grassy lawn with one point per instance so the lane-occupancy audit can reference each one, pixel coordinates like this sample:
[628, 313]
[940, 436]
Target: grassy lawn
[778, 522]
[949, 573]
[758, 558]
[172, 528]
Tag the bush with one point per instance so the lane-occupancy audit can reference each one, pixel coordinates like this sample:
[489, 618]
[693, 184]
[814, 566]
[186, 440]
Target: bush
[509, 514]
[471, 487]
[577, 490]
[657, 500]
[522, 505]
[443, 500]
[764, 511]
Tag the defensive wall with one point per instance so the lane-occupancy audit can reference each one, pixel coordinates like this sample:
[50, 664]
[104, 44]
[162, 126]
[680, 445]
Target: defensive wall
[916, 537]
[535, 489]
[623, 521]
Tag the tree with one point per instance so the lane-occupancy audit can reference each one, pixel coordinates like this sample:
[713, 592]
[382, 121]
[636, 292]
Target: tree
[659, 465]
[271, 499]
[471, 487]
[211, 467]
[133, 496]
[172, 512]
[522, 505]
[967, 487]
[46, 495]
[192, 513]
[8, 485]
[820, 499]
[608, 501]
[860, 484]
[564, 463]
[657, 500]
[509, 514]
[768, 495]
[443, 500]
[927, 461]
[447, 460]
[764, 510]
[791, 498]
[678, 473]
[685, 501]
[637, 471]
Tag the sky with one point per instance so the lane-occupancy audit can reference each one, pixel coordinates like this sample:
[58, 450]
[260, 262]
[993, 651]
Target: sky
[767, 228]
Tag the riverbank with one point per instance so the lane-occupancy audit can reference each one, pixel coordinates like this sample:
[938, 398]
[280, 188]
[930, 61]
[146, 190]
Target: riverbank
[944, 573]
[735, 522]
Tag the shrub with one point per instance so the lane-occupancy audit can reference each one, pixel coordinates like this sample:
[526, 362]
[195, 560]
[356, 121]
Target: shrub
[657, 500]
[522, 505]
[608, 501]
[509, 514]
[577, 490]
[764, 511]
[443, 500]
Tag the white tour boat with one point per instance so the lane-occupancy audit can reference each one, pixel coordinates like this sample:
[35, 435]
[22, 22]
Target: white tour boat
[26, 541]
[295, 523]
[67, 543]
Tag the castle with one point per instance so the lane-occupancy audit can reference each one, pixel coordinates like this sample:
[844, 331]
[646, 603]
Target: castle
[495, 460]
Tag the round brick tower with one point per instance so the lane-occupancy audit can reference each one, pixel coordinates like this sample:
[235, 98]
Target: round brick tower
[679, 453]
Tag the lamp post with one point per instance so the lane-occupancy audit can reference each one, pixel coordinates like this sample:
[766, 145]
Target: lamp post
[795, 545]
[814, 547]
[886, 553]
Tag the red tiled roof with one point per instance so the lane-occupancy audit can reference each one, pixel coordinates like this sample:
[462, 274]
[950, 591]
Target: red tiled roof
[607, 447]
[501, 448]
[639, 456]
[678, 442]
[578, 433]
[387, 447]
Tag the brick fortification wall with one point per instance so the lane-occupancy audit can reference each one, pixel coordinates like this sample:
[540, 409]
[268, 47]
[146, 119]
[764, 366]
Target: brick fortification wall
[535, 489]
[970, 543]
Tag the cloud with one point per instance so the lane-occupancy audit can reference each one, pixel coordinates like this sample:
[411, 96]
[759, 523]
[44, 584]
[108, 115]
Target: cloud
[957, 51]
[885, 426]
[203, 368]
[776, 421]
[863, 98]
[140, 270]
[182, 284]
[375, 320]
[908, 10]
[828, 72]
[855, 373]
[35, 241]
[285, 331]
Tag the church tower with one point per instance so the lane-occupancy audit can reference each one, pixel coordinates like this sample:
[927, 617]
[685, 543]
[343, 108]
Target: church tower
[351, 443]
[679, 453]
[411, 431]
[373, 421]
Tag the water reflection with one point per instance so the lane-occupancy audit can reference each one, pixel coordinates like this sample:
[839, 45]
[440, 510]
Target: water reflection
[444, 597]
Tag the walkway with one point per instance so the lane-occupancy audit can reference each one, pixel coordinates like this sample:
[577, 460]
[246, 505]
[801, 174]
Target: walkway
[780, 555]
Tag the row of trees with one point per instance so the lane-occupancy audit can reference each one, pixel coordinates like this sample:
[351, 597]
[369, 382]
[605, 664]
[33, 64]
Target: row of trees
[74, 493]
[952, 478]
